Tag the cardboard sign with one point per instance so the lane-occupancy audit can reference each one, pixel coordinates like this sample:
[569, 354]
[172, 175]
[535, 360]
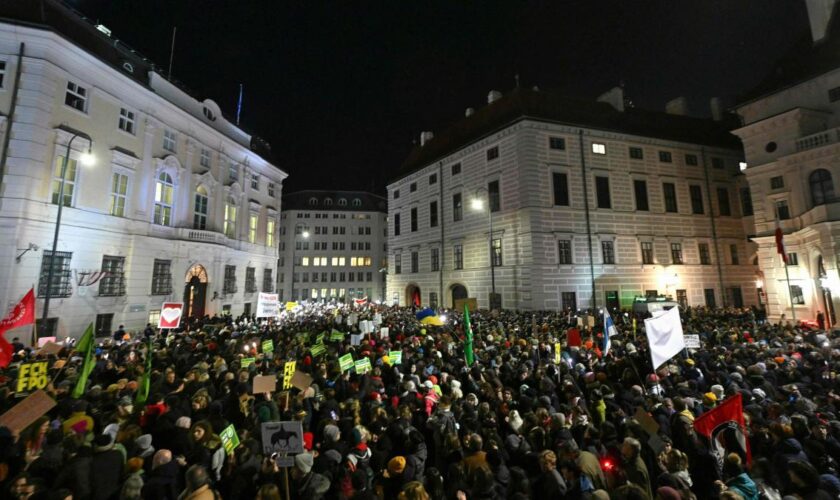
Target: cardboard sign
[692, 341]
[32, 376]
[264, 383]
[363, 366]
[43, 341]
[558, 356]
[268, 305]
[590, 321]
[345, 362]
[246, 362]
[470, 303]
[170, 314]
[230, 440]
[395, 357]
[318, 349]
[27, 411]
[336, 336]
[301, 380]
[50, 348]
[268, 345]
[288, 371]
[646, 421]
[282, 437]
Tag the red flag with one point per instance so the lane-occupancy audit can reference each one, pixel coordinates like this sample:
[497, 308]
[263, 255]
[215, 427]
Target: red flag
[780, 244]
[6, 352]
[22, 314]
[573, 337]
[724, 427]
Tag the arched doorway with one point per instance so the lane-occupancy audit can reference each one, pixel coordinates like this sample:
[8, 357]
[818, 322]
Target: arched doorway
[459, 292]
[195, 291]
[412, 295]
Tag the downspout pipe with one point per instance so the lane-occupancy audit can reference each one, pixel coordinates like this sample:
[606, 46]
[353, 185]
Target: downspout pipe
[588, 221]
[8, 136]
[713, 225]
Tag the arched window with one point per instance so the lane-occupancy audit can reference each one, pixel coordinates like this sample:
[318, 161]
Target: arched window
[313, 201]
[200, 208]
[164, 194]
[230, 218]
[342, 202]
[328, 202]
[822, 188]
[357, 202]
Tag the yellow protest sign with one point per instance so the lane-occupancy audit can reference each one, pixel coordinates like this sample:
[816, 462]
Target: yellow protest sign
[288, 371]
[558, 357]
[291, 305]
[32, 376]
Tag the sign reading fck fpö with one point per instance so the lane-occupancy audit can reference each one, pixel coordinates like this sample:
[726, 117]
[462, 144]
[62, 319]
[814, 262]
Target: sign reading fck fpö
[170, 314]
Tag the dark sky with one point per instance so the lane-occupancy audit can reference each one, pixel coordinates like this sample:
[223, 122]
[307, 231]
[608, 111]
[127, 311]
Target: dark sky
[342, 90]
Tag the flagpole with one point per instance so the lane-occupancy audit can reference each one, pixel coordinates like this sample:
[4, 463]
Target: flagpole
[790, 295]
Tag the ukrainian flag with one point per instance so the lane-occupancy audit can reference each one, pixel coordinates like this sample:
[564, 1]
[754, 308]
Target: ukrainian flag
[428, 317]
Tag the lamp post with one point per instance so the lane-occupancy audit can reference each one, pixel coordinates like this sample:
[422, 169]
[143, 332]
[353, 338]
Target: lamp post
[305, 234]
[478, 205]
[87, 160]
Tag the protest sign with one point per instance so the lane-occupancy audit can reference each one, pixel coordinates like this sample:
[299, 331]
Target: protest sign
[363, 365]
[27, 411]
[558, 357]
[230, 440]
[384, 332]
[32, 376]
[692, 341]
[265, 383]
[282, 437]
[336, 336]
[246, 362]
[345, 362]
[318, 349]
[170, 314]
[267, 305]
[395, 357]
[268, 345]
[301, 380]
[291, 305]
[288, 371]
[50, 348]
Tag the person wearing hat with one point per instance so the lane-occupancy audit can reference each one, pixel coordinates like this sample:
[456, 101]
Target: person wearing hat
[132, 488]
[306, 483]
[107, 466]
[392, 479]
[79, 422]
[709, 402]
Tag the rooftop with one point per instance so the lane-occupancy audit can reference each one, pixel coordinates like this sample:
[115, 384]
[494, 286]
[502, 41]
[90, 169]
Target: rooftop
[347, 201]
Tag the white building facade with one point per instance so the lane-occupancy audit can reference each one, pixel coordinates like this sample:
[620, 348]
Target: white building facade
[665, 215]
[177, 207]
[791, 137]
[332, 246]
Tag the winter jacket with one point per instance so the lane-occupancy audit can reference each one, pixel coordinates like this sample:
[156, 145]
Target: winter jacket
[162, 483]
[743, 485]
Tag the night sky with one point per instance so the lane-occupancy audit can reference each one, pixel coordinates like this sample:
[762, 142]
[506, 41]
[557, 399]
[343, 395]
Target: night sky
[342, 91]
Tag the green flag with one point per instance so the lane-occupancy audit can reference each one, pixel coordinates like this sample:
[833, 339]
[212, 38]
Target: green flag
[86, 347]
[469, 356]
[143, 390]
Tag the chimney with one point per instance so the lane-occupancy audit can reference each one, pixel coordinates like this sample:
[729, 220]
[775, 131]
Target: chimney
[614, 97]
[425, 137]
[819, 16]
[717, 108]
[469, 112]
[493, 96]
[678, 106]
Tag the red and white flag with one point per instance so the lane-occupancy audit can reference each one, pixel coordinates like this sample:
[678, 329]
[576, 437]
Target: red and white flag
[21, 315]
[725, 429]
[780, 244]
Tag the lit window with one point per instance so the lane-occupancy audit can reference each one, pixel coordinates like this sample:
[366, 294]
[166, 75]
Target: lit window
[200, 208]
[119, 188]
[304, 261]
[170, 140]
[164, 194]
[599, 148]
[269, 233]
[76, 97]
[126, 121]
[253, 220]
[204, 160]
[230, 218]
[69, 181]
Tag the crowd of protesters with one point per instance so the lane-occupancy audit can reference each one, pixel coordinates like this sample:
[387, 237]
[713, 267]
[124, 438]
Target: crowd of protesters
[515, 424]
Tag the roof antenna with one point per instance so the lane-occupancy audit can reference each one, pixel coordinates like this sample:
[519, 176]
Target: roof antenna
[239, 105]
[172, 51]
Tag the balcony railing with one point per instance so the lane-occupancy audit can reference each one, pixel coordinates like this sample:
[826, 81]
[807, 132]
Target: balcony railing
[202, 236]
[817, 140]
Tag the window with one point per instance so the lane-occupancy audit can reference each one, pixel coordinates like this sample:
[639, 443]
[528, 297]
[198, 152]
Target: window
[569, 301]
[696, 193]
[676, 253]
[564, 252]
[665, 157]
[414, 219]
[415, 262]
[170, 139]
[233, 176]
[782, 210]
[457, 207]
[796, 296]
[494, 196]
[250, 280]
[269, 233]
[717, 163]
[599, 148]
[204, 159]
[60, 285]
[126, 122]
[777, 182]
[822, 187]
[691, 160]
[119, 188]
[636, 153]
[703, 250]
[556, 143]
[647, 252]
[253, 221]
[162, 277]
[433, 214]
[733, 254]
[396, 225]
[229, 228]
[432, 179]
[2, 73]
[200, 208]
[602, 191]
[76, 97]
[709, 296]
[412, 187]
[255, 182]
[723, 201]
[164, 194]
[496, 245]
[640, 189]
[397, 264]
[112, 283]
[834, 94]
[456, 169]
[458, 256]
[104, 323]
[793, 259]
[561, 189]
[433, 300]
[229, 284]
[669, 190]
[493, 153]
[69, 181]
[746, 202]
[271, 189]
[682, 298]
[435, 258]
[608, 251]
[651, 294]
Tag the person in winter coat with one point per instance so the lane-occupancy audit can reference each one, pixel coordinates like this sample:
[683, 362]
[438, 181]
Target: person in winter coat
[198, 485]
[162, 481]
[76, 473]
[133, 486]
[106, 468]
[738, 481]
[550, 483]
[632, 465]
[307, 485]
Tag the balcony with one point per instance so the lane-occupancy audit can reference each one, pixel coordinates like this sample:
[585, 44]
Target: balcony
[818, 140]
[201, 236]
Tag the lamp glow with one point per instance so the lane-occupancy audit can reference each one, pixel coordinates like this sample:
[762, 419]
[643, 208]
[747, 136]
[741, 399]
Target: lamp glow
[477, 204]
[305, 234]
[87, 159]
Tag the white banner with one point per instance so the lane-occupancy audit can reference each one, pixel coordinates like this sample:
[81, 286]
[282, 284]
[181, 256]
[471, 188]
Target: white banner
[692, 341]
[268, 305]
[665, 336]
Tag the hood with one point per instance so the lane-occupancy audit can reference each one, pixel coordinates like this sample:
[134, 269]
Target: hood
[744, 483]
[790, 446]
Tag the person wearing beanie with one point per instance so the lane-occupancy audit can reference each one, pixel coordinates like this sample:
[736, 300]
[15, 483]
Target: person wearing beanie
[391, 481]
[737, 479]
[79, 422]
[107, 468]
[133, 486]
[306, 483]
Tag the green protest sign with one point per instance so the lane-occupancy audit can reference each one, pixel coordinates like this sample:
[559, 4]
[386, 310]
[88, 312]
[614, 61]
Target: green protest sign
[345, 362]
[318, 349]
[268, 345]
[246, 362]
[320, 338]
[363, 366]
[336, 336]
[230, 440]
[395, 357]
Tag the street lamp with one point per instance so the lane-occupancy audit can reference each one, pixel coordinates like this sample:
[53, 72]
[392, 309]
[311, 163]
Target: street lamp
[86, 159]
[305, 234]
[477, 205]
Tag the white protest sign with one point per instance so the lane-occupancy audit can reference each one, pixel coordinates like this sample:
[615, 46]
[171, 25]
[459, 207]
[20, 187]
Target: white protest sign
[377, 319]
[268, 305]
[384, 332]
[355, 339]
[692, 341]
